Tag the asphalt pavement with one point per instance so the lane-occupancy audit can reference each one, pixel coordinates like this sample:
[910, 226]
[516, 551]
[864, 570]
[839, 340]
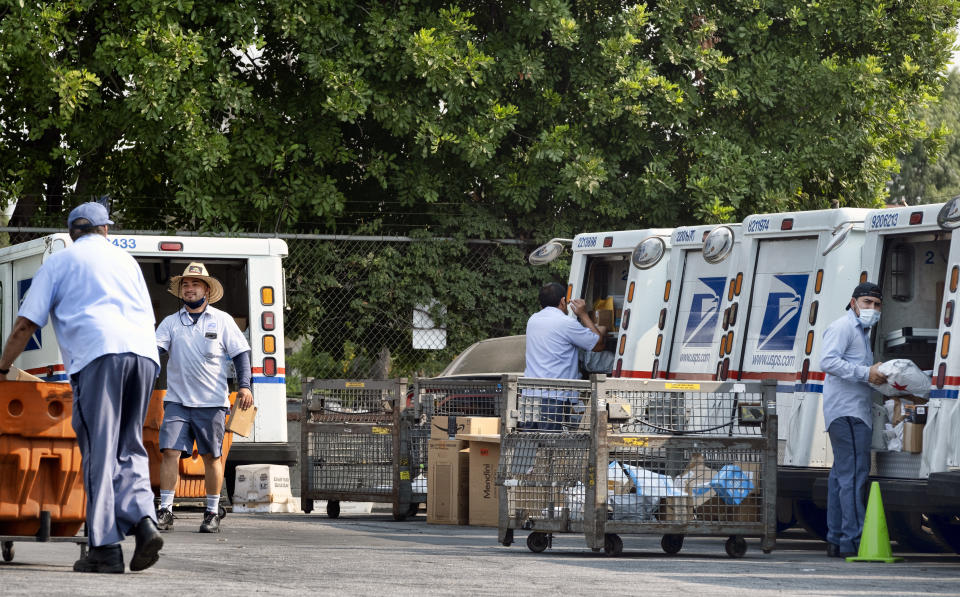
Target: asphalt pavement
[370, 554]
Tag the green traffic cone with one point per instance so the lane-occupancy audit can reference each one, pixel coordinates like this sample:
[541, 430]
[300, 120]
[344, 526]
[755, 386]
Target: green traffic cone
[875, 541]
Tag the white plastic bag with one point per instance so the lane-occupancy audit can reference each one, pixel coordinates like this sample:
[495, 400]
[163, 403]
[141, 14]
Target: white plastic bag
[573, 498]
[649, 483]
[904, 378]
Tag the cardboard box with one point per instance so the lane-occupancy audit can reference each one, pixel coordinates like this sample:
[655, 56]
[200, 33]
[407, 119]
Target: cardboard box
[483, 496]
[604, 317]
[262, 483]
[447, 482]
[717, 510]
[241, 421]
[912, 437]
[464, 426]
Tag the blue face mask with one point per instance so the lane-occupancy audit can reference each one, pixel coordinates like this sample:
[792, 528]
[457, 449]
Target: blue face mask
[868, 317]
[195, 304]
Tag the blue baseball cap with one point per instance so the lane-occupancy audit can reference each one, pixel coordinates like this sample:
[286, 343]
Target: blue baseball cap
[91, 211]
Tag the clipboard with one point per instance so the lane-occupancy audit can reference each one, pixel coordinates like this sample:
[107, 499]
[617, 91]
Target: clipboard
[241, 421]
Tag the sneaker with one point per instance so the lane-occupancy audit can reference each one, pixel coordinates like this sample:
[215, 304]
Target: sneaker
[103, 559]
[149, 543]
[164, 519]
[211, 523]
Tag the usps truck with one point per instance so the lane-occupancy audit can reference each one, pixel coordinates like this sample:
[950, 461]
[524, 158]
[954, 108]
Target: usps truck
[912, 254]
[252, 276]
[687, 306]
[600, 270]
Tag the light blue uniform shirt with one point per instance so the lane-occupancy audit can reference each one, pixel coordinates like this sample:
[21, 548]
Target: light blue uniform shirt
[96, 297]
[200, 356]
[552, 342]
[846, 360]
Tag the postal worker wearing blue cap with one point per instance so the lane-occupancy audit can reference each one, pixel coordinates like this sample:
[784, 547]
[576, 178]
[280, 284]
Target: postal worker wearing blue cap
[848, 363]
[95, 295]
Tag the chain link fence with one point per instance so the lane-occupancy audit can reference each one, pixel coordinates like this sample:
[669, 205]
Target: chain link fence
[390, 306]
[381, 307]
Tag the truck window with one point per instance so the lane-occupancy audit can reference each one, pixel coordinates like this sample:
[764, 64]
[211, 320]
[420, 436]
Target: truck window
[606, 284]
[913, 273]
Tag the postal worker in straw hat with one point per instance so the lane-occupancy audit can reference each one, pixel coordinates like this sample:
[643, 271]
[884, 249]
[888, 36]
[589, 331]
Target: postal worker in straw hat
[201, 340]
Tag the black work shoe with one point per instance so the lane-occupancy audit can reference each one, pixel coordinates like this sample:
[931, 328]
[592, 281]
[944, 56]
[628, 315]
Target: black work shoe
[149, 543]
[104, 558]
[164, 519]
[211, 523]
[833, 550]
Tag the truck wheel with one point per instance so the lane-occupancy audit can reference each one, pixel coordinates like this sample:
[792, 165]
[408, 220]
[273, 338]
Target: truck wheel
[333, 509]
[911, 532]
[811, 518]
[947, 529]
[786, 519]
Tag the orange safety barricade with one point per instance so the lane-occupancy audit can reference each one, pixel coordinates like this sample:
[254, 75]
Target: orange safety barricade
[40, 463]
[191, 468]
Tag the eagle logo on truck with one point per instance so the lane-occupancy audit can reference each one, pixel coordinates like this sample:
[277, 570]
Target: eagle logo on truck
[704, 313]
[782, 314]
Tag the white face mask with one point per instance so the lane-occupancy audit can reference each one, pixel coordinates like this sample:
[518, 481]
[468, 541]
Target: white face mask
[868, 317]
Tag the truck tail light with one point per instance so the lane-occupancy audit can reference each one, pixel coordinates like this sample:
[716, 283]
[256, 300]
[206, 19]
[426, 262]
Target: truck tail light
[270, 366]
[786, 224]
[619, 369]
[267, 321]
[269, 344]
[266, 295]
[171, 246]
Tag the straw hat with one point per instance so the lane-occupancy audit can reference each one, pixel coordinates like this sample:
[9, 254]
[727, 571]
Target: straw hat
[199, 271]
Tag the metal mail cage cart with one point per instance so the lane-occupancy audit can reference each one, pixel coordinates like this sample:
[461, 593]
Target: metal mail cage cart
[683, 458]
[545, 466]
[356, 445]
[437, 402]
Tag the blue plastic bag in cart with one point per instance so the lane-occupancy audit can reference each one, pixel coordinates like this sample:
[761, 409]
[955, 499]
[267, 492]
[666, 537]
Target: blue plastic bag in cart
[732, 484]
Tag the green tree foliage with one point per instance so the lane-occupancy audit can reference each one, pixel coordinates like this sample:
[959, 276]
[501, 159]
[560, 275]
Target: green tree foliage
[930, 171]
[481, 119]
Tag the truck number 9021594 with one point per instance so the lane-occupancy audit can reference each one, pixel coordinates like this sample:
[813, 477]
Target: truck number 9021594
[125, 243]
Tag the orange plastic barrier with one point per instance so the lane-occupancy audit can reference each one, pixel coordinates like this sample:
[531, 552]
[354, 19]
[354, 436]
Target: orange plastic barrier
[191, 469]
[40, 464]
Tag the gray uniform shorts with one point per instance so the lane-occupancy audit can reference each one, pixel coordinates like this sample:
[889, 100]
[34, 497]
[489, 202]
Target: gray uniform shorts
[183, 425]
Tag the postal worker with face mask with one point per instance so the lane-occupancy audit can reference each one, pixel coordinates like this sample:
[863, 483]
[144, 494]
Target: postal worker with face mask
[848, 363]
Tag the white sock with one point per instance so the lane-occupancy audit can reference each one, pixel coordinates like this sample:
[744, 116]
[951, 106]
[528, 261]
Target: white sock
[166, 499]
[213, 503]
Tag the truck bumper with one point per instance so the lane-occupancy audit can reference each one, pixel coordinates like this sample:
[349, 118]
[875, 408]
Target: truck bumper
[940, 493]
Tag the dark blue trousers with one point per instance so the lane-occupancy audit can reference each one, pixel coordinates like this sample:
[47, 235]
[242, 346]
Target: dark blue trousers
[847, 484]
[110, 399]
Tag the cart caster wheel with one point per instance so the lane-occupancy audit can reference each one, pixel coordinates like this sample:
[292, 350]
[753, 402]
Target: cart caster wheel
[537, 542]
[671, 544]
[612, 545]
[306, 506]
[507, 538]
[767, 551]
[221, 512]
[736, 546]
[333, 509]
[8, 551]
[413, 510]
